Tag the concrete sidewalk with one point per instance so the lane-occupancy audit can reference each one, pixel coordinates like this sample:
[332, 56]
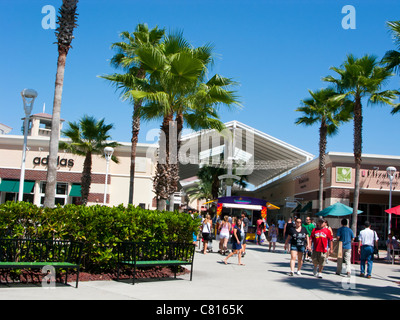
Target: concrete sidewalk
[264, 277]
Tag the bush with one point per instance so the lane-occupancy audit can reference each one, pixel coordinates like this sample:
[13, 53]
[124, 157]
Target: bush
[100, 228]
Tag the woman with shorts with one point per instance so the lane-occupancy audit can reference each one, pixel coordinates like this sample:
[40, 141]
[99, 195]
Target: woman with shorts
[206, 232]
[299, 240]
[236, 245]
[224, 232]
[272, 236]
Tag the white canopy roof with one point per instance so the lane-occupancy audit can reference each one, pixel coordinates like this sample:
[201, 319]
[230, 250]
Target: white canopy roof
[256, 154]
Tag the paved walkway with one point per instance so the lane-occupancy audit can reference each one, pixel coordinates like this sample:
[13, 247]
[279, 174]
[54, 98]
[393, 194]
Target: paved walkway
[263, 277]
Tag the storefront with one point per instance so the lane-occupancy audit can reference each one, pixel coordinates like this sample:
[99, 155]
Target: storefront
[70, 171]
[301, 186]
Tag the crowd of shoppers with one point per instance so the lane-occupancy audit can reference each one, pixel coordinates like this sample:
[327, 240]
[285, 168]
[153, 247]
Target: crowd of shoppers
[309, 241]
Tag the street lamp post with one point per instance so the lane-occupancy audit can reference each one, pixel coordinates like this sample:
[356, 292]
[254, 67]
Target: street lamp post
[28, 97]
[108, 152]
[390, 172]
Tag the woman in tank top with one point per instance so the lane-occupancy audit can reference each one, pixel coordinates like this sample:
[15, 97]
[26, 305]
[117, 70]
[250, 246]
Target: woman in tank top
[224, 231]
[206, 232]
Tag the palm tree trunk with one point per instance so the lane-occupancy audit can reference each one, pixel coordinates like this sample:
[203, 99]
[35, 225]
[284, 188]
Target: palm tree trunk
[322, 166]
[174, 157]
[141, 74]
[66, 24]
[86, 178]
[162, 180]
[134, 142]
[51, 179]
[357, 158]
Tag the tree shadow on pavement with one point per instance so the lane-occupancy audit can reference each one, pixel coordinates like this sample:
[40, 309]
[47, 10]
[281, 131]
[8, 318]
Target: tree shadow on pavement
[350, 288]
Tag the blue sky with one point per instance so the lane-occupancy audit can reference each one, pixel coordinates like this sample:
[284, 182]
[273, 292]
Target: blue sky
[276, 50]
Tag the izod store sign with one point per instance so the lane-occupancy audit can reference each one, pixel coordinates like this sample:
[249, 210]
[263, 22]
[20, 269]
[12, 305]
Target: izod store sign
[62, 162]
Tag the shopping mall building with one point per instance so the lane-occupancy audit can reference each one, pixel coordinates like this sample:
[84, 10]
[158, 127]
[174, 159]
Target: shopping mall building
[70, 170]
[278, 172]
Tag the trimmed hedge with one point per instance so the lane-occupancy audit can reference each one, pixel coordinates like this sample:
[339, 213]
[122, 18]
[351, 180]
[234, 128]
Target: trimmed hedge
[98, 227]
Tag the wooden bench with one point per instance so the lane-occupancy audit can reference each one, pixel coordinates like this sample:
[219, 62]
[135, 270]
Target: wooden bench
[150, 254]
[39, 253]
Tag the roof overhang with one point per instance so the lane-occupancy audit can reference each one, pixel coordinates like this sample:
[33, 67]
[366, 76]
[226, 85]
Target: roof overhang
[255, 154]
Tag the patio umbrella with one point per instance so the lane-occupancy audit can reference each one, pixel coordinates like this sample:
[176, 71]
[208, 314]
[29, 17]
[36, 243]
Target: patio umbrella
[394, 210]
[337, 210]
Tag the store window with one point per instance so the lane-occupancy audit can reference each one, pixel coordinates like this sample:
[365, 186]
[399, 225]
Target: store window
[9, 190]
[375, 214]
[61, 193]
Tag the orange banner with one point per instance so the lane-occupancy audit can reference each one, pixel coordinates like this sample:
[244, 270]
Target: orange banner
[219, 209]
[264, 212]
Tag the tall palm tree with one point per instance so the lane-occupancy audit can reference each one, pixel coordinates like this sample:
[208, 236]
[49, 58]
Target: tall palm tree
[66, 24]
[88, 137]
[361, 78]
[126, 59]
[391, 58]
[329, 113]
[177, 73]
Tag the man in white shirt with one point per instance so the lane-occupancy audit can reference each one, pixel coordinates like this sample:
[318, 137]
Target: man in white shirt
[366, 243]
[281, 226]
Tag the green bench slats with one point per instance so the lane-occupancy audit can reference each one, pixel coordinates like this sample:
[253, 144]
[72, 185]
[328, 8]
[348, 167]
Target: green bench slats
[157, 262]
[36, 264]
[149, 254]
[38, 253]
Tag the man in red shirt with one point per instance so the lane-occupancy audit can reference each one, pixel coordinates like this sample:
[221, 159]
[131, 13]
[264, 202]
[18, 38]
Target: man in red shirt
[320, 237]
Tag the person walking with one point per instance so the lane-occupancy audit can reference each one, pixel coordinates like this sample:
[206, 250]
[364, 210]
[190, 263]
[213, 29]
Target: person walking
[391, 244]
[367, 240]
[299, 240]
[236, 245]
[288, 225]
[320, 237]
[345, 236]
[224, 229]
[206, 232]
[309, 227]
[328, 251]
[281, 226]
[272, 236]
[245, 223]
[259, 231]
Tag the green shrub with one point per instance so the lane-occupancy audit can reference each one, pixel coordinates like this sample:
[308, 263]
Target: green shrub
[100, 228]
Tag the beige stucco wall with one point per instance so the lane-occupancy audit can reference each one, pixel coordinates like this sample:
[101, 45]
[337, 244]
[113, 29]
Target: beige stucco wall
[118, 189]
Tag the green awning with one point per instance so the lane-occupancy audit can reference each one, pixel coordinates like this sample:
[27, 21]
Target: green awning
[13, 186]
[75, 191]
[297, 209]
[307, 207]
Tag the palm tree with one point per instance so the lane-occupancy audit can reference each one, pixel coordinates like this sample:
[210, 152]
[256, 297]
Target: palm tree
[209, 174]
[361, 78]
[392, 57]
[201, 191]
[321, 108]
[176, 88]
[66, 24]
[88, 137]
[126, 59]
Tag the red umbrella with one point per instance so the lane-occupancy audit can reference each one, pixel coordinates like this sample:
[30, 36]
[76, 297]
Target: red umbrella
[394, 210]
